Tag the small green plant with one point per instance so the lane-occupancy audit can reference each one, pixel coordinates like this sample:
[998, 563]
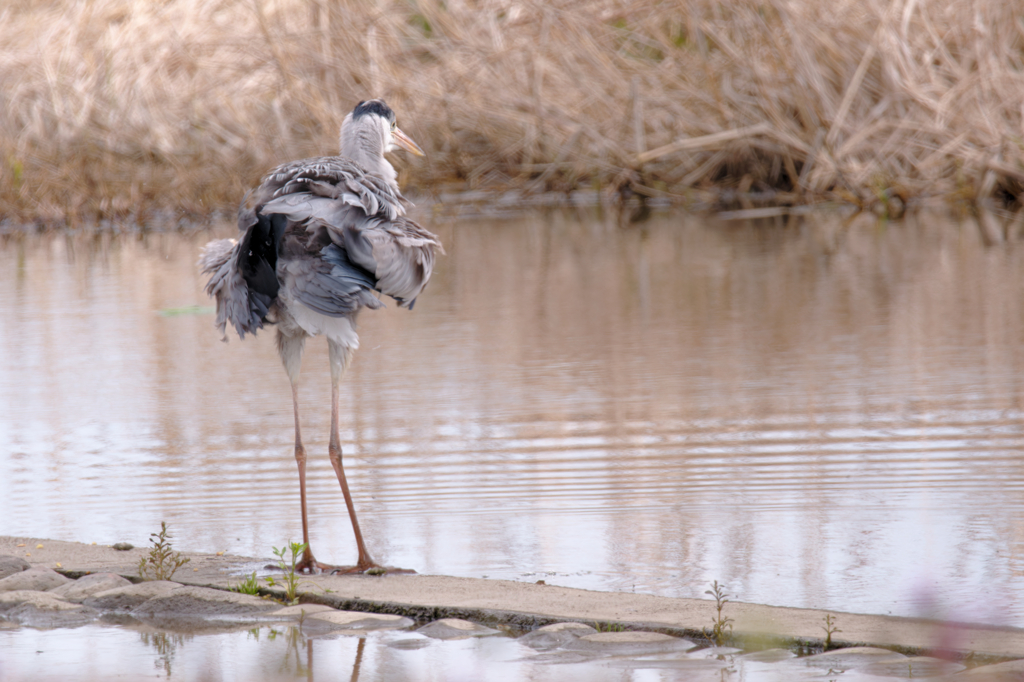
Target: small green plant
[608, 627]
[721, 623]
[162, 561]
[291, 578]
[830, 629]
[248, 586]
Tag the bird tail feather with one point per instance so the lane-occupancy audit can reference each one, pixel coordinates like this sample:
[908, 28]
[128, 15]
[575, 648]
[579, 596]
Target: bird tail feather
[235, 303]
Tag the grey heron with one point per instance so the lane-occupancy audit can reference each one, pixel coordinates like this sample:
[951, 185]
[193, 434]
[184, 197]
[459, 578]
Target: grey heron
[316, 238]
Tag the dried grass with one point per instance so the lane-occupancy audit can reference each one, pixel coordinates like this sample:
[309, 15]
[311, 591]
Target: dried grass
[115, 107]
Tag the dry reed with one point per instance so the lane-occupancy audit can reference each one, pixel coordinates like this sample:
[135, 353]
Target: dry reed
[116, 107]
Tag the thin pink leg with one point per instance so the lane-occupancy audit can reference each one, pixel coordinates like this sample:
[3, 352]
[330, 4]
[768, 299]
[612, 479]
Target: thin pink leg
[340, 356]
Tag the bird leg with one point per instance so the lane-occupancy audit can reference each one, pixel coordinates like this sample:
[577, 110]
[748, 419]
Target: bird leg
[308, 563]
[290, 349]
[340, 356]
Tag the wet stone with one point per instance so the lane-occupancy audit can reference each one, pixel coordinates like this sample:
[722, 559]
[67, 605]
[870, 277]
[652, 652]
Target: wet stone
[12, 598]
[996, 672]
[43, 610]
[37, 578]
[912, 667]
[716, 652]
[201, 602]
[629, 643]
[89, 585]
[554, 636]
[409, 643]
[690, 664]
[852, 657]
[455, 628]
[297, 611]
[768, 656]
[127, 598]
[328, 621]
[57, 615]
[9, 565]
[561, 657]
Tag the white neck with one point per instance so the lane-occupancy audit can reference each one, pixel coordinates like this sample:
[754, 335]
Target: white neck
[362, 141]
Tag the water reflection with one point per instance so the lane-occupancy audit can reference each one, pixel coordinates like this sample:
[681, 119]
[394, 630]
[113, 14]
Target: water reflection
[165, 645]
[282, 653]
[298, 655]
[825, 413]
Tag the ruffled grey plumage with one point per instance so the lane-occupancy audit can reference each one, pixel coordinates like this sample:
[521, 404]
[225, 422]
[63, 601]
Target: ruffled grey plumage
[343, 234]
[228, 287]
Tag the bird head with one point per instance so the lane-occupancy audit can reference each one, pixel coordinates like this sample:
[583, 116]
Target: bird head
[376, 112]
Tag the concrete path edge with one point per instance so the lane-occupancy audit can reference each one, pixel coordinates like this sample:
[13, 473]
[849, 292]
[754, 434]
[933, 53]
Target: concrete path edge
[525, 606]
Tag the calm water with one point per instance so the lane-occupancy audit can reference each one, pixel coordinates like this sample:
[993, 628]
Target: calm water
[267, 654]
[820, 414]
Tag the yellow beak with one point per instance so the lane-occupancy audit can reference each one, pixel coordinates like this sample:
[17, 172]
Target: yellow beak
[405, 142]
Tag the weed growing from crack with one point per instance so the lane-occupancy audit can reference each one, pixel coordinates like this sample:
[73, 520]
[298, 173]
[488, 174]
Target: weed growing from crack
[721, 623]
[248, 586]
[291, 578]
[162, 561]
[830, 629]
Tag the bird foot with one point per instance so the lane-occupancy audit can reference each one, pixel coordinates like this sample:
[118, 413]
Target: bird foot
[310, 566]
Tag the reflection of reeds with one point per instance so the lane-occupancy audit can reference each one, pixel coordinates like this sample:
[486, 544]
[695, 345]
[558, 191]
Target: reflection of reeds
[166, 645]
[112, 106]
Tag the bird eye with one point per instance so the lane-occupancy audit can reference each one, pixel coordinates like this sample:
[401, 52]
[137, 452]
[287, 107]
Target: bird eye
[393, 125]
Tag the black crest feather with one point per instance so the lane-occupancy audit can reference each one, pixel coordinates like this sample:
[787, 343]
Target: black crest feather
[374, 106]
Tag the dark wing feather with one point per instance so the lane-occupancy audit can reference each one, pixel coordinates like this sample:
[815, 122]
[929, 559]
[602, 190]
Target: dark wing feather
[329, 283]
[257, 255]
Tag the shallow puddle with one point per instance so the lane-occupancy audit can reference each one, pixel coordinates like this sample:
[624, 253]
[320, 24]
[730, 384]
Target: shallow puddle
[263, 654]
[817, 415]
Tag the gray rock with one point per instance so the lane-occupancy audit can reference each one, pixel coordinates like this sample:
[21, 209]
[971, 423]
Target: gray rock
[554, 636]
[852, 657]
[716, 652]
[296, 612]
[44, 610]
[127, 598]
[997, 672]
[37, 578]
[455, 628]
[326, 621]
[629, 643]
[912, 667]
[409, 643]
[768, 656]
[89, 585]
[12, 598]
[66, 616]
[202, 602]
[9, 565]
[692, 665]
[561, 657]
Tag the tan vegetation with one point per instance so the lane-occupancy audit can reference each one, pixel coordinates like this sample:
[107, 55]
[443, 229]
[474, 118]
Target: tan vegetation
[114, 107]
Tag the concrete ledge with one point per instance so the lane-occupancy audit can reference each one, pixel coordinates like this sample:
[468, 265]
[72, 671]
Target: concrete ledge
[528, 605]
